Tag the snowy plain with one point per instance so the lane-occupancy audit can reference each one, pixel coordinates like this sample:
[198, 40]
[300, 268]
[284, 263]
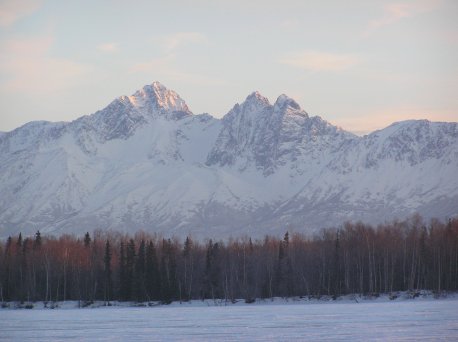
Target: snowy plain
[418, 319]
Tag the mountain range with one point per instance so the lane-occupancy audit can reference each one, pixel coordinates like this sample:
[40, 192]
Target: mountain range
[146, 162]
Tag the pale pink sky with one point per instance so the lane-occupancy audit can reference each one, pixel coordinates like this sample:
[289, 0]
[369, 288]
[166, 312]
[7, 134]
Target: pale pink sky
[359, 64]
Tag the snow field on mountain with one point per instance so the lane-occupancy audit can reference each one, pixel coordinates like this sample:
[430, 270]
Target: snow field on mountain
[147, 162]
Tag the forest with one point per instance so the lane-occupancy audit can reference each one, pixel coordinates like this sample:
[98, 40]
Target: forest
[355, 258]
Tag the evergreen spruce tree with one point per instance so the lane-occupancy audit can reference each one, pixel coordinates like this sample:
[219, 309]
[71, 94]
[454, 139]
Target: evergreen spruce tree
[108, 288]
[187, 246]
[212, 288]
[87, 240]
[286, 240]
[25, 280]
[9, 241]
[19, 241]
[37, 242]
[130, 272]
[139, 284]
[8, 284]
[168, 272]
[188, 267]
[336, 277]
[249, 273]
[123, 291]
[206, 282]
[152, 275]
[284, 272]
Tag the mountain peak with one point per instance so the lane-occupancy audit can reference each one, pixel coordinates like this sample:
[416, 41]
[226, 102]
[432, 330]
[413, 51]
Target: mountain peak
[256, 96]
[159, 97]
[284, 100]
[288, 105]
[255, 102]
[157, 85]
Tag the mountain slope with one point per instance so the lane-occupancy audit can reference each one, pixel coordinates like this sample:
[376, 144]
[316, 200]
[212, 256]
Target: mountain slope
[269, 136]
[147, 162]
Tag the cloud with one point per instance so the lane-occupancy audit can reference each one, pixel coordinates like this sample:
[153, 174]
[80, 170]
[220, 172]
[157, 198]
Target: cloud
[320, 61]
[165, 69]
[27, 66]
[13, 10]
[151, 65]
[108, 47]
[172, 42]
[394, 12]
[169, 44]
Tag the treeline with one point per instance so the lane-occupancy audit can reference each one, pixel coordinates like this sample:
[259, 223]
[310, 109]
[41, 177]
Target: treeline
[357, 258]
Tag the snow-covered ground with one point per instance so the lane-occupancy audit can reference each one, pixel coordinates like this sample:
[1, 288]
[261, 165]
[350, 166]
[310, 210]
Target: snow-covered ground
[380, 319]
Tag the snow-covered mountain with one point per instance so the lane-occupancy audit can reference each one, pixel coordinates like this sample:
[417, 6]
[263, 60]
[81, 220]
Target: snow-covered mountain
[146, 162]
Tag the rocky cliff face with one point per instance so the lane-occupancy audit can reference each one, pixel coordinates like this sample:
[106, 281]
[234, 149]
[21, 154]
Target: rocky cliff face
[267, 136]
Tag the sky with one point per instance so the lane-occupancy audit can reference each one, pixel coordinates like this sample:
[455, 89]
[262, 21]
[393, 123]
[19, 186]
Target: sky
[361, 65]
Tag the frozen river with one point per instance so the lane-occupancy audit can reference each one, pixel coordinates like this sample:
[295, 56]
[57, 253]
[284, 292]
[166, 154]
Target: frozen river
[385, 321]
